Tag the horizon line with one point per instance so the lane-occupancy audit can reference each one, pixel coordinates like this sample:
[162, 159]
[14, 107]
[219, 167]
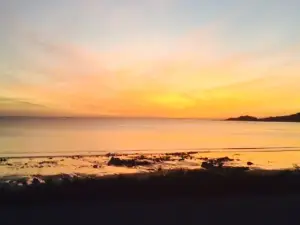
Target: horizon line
[102, 117]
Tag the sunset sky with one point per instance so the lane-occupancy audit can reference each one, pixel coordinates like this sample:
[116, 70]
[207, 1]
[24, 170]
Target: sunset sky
[166, 58]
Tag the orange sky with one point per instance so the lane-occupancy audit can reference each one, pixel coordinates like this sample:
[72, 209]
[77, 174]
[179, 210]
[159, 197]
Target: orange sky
[208, 70]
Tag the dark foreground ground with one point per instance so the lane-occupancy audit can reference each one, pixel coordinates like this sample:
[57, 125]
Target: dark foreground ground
[217, 195]
[229, 210]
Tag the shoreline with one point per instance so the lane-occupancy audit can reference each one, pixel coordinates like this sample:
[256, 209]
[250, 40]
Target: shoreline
[159, 151]
[148, 178]
[12, 168]
[24, 171]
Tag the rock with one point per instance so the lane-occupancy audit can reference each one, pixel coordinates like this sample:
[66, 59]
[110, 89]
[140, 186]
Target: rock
[35, 181]
[156, 160]
[3, 159]
[250, 163]
[224, 159]
[47, 163]
[166, 158]
[207, 165]
[203, 158]
[182, 155]
[217, 163]
[141, 157]
[114, 161]
[110, 154]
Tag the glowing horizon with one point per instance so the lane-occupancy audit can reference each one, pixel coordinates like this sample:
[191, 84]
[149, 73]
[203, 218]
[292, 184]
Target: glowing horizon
[160, 58]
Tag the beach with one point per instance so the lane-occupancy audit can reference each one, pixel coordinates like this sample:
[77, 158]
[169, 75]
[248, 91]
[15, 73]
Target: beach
[149, 112]
[216, 195]
[83, 146]
[15, 168]
[144, 171]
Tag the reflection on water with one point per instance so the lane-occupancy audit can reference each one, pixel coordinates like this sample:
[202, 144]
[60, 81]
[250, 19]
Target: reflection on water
[69, 136]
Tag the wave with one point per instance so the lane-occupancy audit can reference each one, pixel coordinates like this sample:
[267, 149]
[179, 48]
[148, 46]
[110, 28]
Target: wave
[62, 153]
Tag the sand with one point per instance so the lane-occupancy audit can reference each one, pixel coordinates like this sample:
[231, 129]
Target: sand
[97, 165]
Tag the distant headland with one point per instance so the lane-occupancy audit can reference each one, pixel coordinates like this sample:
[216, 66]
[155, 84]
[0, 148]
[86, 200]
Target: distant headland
[286, 118]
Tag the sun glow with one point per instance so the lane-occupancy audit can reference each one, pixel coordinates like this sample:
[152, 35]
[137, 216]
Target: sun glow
[119, 59]
[175, 101]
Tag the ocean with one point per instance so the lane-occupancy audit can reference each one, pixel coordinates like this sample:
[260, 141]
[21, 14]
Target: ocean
[69, 136]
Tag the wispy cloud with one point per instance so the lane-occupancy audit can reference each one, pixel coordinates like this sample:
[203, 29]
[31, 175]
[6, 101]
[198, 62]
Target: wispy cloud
[113, 59]
[11, 106]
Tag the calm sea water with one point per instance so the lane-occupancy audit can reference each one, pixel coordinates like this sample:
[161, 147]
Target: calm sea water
[93, 136]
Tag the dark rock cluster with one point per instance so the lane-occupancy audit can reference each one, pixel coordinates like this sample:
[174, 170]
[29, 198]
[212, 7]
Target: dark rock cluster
[3, 160]
[115, 161]
[218, 164]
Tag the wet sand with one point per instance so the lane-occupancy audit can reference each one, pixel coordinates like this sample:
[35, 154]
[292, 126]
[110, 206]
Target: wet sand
[12, 168]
